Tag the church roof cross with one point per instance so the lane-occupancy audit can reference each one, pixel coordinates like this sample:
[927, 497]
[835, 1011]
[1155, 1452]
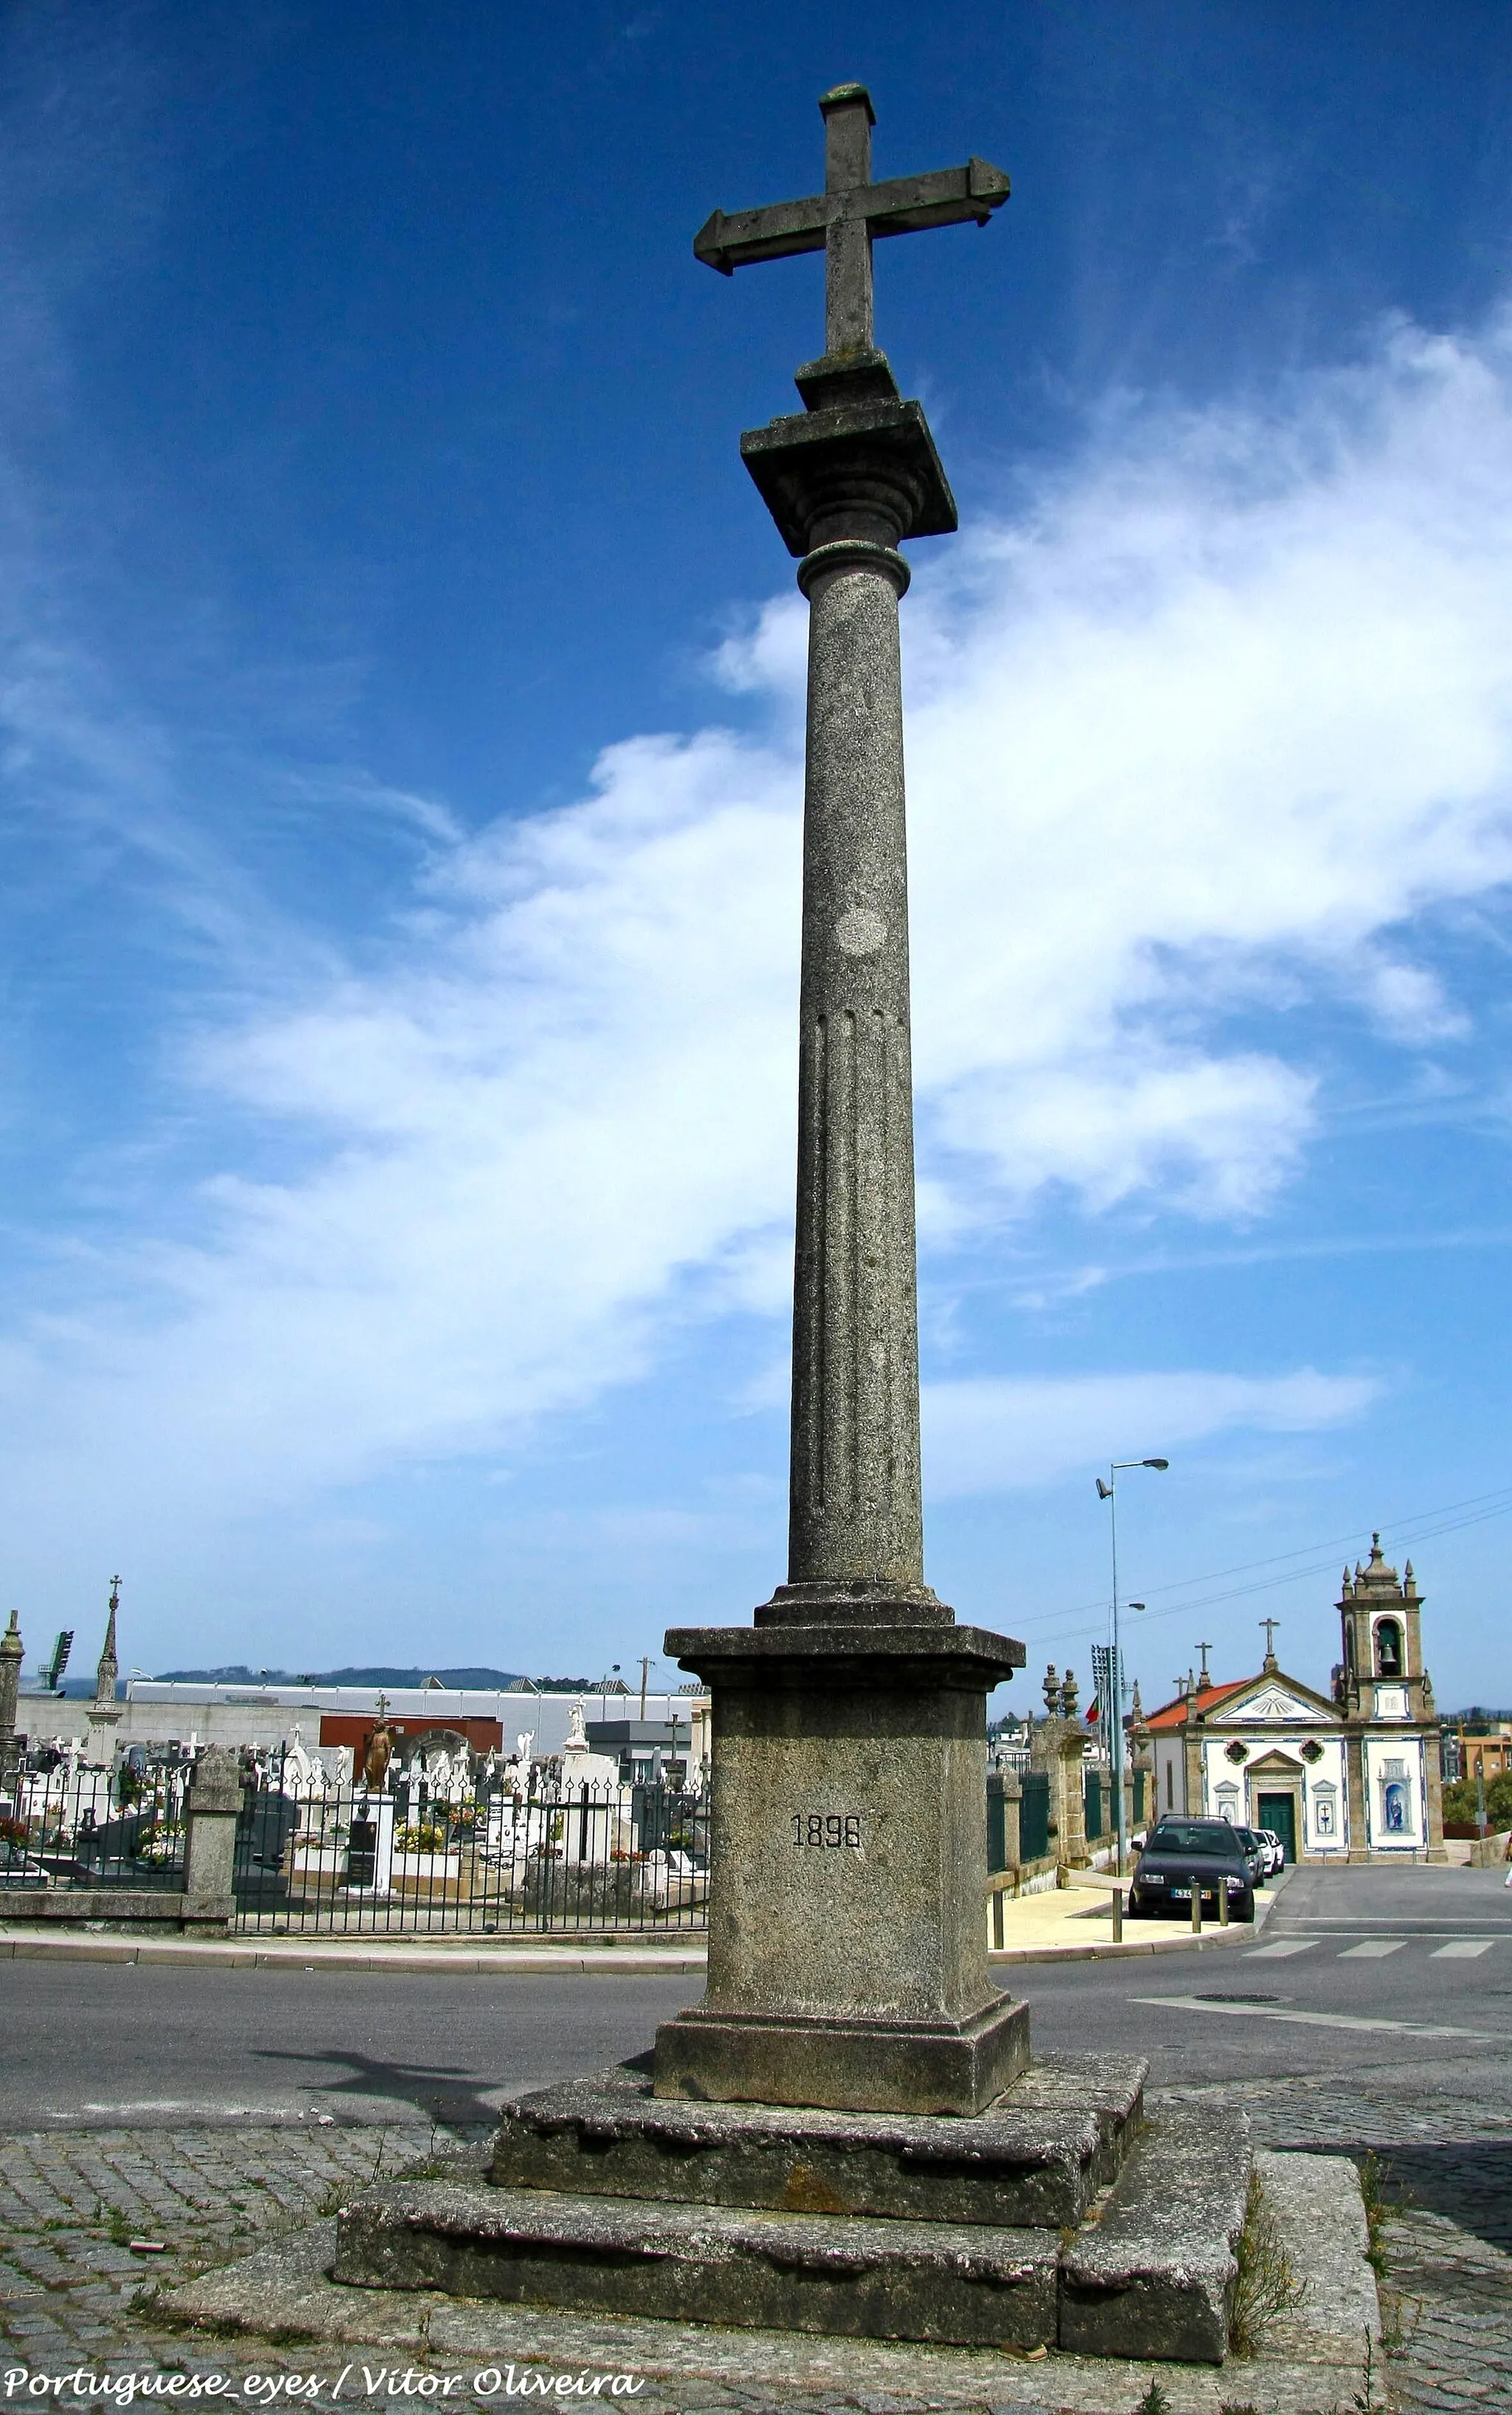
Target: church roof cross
[849, 216]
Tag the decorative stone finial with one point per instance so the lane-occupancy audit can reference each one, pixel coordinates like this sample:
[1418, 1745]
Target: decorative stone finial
[109, 1669]
[11, 1654]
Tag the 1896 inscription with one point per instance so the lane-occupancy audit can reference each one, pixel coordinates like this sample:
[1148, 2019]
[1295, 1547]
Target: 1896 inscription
[838, 1830]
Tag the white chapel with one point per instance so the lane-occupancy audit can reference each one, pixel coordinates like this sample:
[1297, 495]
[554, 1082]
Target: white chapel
[1354, 1777]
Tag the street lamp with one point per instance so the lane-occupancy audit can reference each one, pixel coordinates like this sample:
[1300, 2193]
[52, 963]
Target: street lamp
[1108, 1493]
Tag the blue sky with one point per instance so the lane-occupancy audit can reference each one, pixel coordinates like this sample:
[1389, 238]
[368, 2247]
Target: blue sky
[401, 689]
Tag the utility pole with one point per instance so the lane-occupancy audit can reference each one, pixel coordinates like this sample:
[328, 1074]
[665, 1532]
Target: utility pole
[1108, 1493]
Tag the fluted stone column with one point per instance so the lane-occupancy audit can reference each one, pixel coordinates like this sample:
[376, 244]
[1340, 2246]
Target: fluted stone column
[848, 1962]
[854, 1505]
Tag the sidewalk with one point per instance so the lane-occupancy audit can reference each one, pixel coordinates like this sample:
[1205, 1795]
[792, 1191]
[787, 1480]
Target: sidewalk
[1069, 1925]
[1075, 1924]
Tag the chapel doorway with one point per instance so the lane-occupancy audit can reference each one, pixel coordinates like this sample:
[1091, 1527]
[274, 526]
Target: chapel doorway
[1278, 1812]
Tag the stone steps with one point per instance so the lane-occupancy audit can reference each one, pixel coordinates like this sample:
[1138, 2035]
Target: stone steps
[1154, 2274]
[609, 2201]
[1039, 2158]
[971, 2284]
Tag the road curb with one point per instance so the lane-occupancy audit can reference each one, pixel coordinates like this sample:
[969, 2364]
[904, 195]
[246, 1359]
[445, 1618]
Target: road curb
[625, 1962]
[598, 1961]
[1104, 1949]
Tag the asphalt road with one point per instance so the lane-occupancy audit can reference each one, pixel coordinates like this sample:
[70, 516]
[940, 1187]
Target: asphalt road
[1357, 1970]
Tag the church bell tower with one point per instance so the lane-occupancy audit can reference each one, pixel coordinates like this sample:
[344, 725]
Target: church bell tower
[1381, 1673]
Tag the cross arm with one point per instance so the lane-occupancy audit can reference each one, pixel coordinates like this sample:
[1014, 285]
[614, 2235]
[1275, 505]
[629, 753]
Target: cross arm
[734, 241]
[948, 197]
[902, 205]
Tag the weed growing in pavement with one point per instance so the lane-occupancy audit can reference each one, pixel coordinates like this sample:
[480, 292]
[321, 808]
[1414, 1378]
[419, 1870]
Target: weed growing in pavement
[1374, 2191]
[1367, 2400]
[1267, 2284]
[1154, 2402]
[117, 2228]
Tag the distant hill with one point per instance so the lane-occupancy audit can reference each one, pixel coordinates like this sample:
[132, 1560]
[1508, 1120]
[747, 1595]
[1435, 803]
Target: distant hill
[485, 1680]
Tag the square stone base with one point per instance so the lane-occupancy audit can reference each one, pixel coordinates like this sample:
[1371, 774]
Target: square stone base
[880, 2065]
[1038, 2158]
[1149, 2270]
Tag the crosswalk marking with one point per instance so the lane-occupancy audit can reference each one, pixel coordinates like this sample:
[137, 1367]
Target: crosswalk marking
[1463, 1949]
[1283, 1946]
[1373, 1949]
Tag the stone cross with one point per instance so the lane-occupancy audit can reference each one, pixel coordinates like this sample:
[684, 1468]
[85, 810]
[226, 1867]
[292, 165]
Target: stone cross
[1270, 1625]
[849, 216]
[847, 1813]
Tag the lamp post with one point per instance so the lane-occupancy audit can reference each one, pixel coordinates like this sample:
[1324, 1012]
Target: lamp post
[1109, 1493]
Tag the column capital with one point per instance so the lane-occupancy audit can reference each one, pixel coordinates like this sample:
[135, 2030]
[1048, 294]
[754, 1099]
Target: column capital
[859, 462]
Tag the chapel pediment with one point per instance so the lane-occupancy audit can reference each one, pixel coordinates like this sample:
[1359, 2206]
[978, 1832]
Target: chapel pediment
[1274, 1764]
[1278, 1701]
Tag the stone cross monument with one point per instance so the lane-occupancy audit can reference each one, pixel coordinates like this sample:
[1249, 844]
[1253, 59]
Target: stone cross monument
[847, 1955]
[845, 2136]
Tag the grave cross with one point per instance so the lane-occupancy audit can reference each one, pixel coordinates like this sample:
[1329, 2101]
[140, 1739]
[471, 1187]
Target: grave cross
[849, 216]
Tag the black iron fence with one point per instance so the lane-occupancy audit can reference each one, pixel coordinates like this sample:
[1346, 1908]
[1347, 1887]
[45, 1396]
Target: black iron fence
[1034, 1817]
[410, 1857]
[553, 1857]
[65, 1827]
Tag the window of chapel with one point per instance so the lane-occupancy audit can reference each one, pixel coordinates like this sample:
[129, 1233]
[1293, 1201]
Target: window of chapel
[1389, 1649]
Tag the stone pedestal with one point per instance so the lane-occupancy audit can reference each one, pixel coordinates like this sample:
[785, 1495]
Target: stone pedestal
[1071, 1803]
[212, 1806]
[848, 1960]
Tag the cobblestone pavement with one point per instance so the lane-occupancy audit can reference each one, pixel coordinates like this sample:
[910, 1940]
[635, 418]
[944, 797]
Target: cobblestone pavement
[73, 2294]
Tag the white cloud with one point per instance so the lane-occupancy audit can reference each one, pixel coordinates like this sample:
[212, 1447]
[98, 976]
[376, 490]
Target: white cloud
[1210, 724]
[990, 1435]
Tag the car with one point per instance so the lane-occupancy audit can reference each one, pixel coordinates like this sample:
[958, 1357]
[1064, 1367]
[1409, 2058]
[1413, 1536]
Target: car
[1277, 1851]
[1257, 1852]
[1181, 1855]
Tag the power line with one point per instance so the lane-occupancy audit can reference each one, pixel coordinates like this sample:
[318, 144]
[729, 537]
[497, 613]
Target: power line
[1427, 1523]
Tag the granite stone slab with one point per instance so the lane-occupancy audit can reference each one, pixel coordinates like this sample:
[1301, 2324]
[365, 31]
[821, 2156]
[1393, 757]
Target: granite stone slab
[935, 2065]
[1154, 2276]
[971, 2284]
[1039, 2156]
[284, 2289]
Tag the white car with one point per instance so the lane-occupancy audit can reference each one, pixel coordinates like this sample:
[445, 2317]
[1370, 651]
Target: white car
[1275, 1849]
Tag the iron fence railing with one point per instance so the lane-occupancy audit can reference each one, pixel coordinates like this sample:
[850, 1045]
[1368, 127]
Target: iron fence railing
[552, 1857]
[69, 1827]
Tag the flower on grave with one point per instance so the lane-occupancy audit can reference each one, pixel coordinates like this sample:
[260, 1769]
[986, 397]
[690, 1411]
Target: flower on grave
[421, 1837]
